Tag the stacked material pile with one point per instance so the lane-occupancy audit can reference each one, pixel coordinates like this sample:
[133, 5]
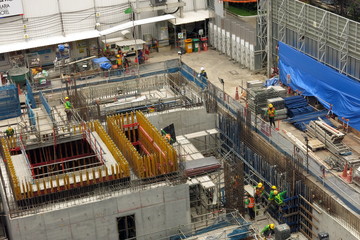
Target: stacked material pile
[297, 105]
[254, 84]
[279, 105]
[281, 91]
[257, 98]
[331, 137]
[301, 113]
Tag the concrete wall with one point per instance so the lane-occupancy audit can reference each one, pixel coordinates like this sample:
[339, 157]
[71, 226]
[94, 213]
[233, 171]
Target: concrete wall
[156, 211]
[185, 120]
[334, 227]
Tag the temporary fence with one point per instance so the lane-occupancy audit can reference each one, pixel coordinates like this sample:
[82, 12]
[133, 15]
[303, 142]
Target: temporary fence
[9, 102]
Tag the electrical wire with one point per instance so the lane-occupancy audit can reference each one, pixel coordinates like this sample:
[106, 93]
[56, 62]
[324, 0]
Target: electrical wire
[172, 12]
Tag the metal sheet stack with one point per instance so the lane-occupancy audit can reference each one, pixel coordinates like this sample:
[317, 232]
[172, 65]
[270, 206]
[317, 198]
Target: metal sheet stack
[297, 105]
[258, 97]
[254, 84]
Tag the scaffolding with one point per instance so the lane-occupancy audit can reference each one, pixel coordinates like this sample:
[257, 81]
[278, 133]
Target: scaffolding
[325, 36]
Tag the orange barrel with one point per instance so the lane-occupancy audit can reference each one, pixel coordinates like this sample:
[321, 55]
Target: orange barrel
[204, 43]
[188, 45]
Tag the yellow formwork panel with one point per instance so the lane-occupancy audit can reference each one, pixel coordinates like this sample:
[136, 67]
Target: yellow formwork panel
[125, 146]
[162, 158]
[9, 164]
[123, 164]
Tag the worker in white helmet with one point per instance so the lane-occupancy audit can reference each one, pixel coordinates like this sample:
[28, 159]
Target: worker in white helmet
[202, 73]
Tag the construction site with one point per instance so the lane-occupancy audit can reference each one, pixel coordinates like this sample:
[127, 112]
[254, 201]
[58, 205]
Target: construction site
[178, 142]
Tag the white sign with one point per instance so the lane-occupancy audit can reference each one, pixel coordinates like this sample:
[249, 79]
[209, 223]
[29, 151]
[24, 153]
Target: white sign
[10, 8]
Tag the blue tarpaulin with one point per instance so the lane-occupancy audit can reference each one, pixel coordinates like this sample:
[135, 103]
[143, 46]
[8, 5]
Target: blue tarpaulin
[271, 82]
[313, 78]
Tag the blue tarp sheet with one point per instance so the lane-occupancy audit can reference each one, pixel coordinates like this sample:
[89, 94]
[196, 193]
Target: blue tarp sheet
[100, 60]
[313, 78]
[271, 82]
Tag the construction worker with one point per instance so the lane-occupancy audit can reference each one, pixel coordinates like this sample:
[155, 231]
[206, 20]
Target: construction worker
[273, 193]
[271, 112]
[202, 73]
[68, 107]
[279, 198]
[118, 60]
[125, 61]
[259, 192]
[250, 205]
[9, 132]
[268, 230]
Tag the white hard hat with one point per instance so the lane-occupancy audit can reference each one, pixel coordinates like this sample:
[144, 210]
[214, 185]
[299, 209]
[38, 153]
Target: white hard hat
[202, 68]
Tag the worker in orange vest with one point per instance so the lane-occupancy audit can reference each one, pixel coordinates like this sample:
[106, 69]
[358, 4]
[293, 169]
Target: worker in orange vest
[271, 112]
[259, 193]
[250, 205]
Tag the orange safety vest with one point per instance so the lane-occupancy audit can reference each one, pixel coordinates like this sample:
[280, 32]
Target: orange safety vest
[259, 191]
[271, 112]
[251, 202]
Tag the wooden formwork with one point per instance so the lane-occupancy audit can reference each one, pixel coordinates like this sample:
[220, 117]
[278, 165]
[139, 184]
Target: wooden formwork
[129, 130]
[25, 189]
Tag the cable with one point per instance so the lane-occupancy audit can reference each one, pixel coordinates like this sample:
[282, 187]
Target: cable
[172, 12]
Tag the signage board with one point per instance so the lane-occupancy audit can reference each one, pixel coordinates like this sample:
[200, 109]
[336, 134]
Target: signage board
[10, 8]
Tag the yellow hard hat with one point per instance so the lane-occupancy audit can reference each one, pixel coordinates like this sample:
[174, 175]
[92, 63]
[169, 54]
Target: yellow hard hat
[118, 55]
[270, 105]
[67, 98]
[259, 185]
[273, 187]
[276, 192]
[272, 226]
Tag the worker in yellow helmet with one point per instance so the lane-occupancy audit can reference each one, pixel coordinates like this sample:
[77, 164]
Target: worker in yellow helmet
[9, 132]
[259, 192]
[271, 112]
[272, 194]
[119, 60]
[68, 106]
[268, 230]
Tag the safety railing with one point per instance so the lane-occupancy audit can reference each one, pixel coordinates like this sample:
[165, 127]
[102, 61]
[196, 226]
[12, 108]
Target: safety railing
[284, 145]
[30, 95]
[94, 144]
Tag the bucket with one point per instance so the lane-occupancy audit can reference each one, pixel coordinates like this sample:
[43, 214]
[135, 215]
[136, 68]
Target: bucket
[196, 43]
[188, 45]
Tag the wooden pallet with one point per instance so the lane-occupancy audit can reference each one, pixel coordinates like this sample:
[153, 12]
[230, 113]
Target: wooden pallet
[315, 144]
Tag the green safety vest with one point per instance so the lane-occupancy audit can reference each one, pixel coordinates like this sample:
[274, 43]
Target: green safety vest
[67, 105]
